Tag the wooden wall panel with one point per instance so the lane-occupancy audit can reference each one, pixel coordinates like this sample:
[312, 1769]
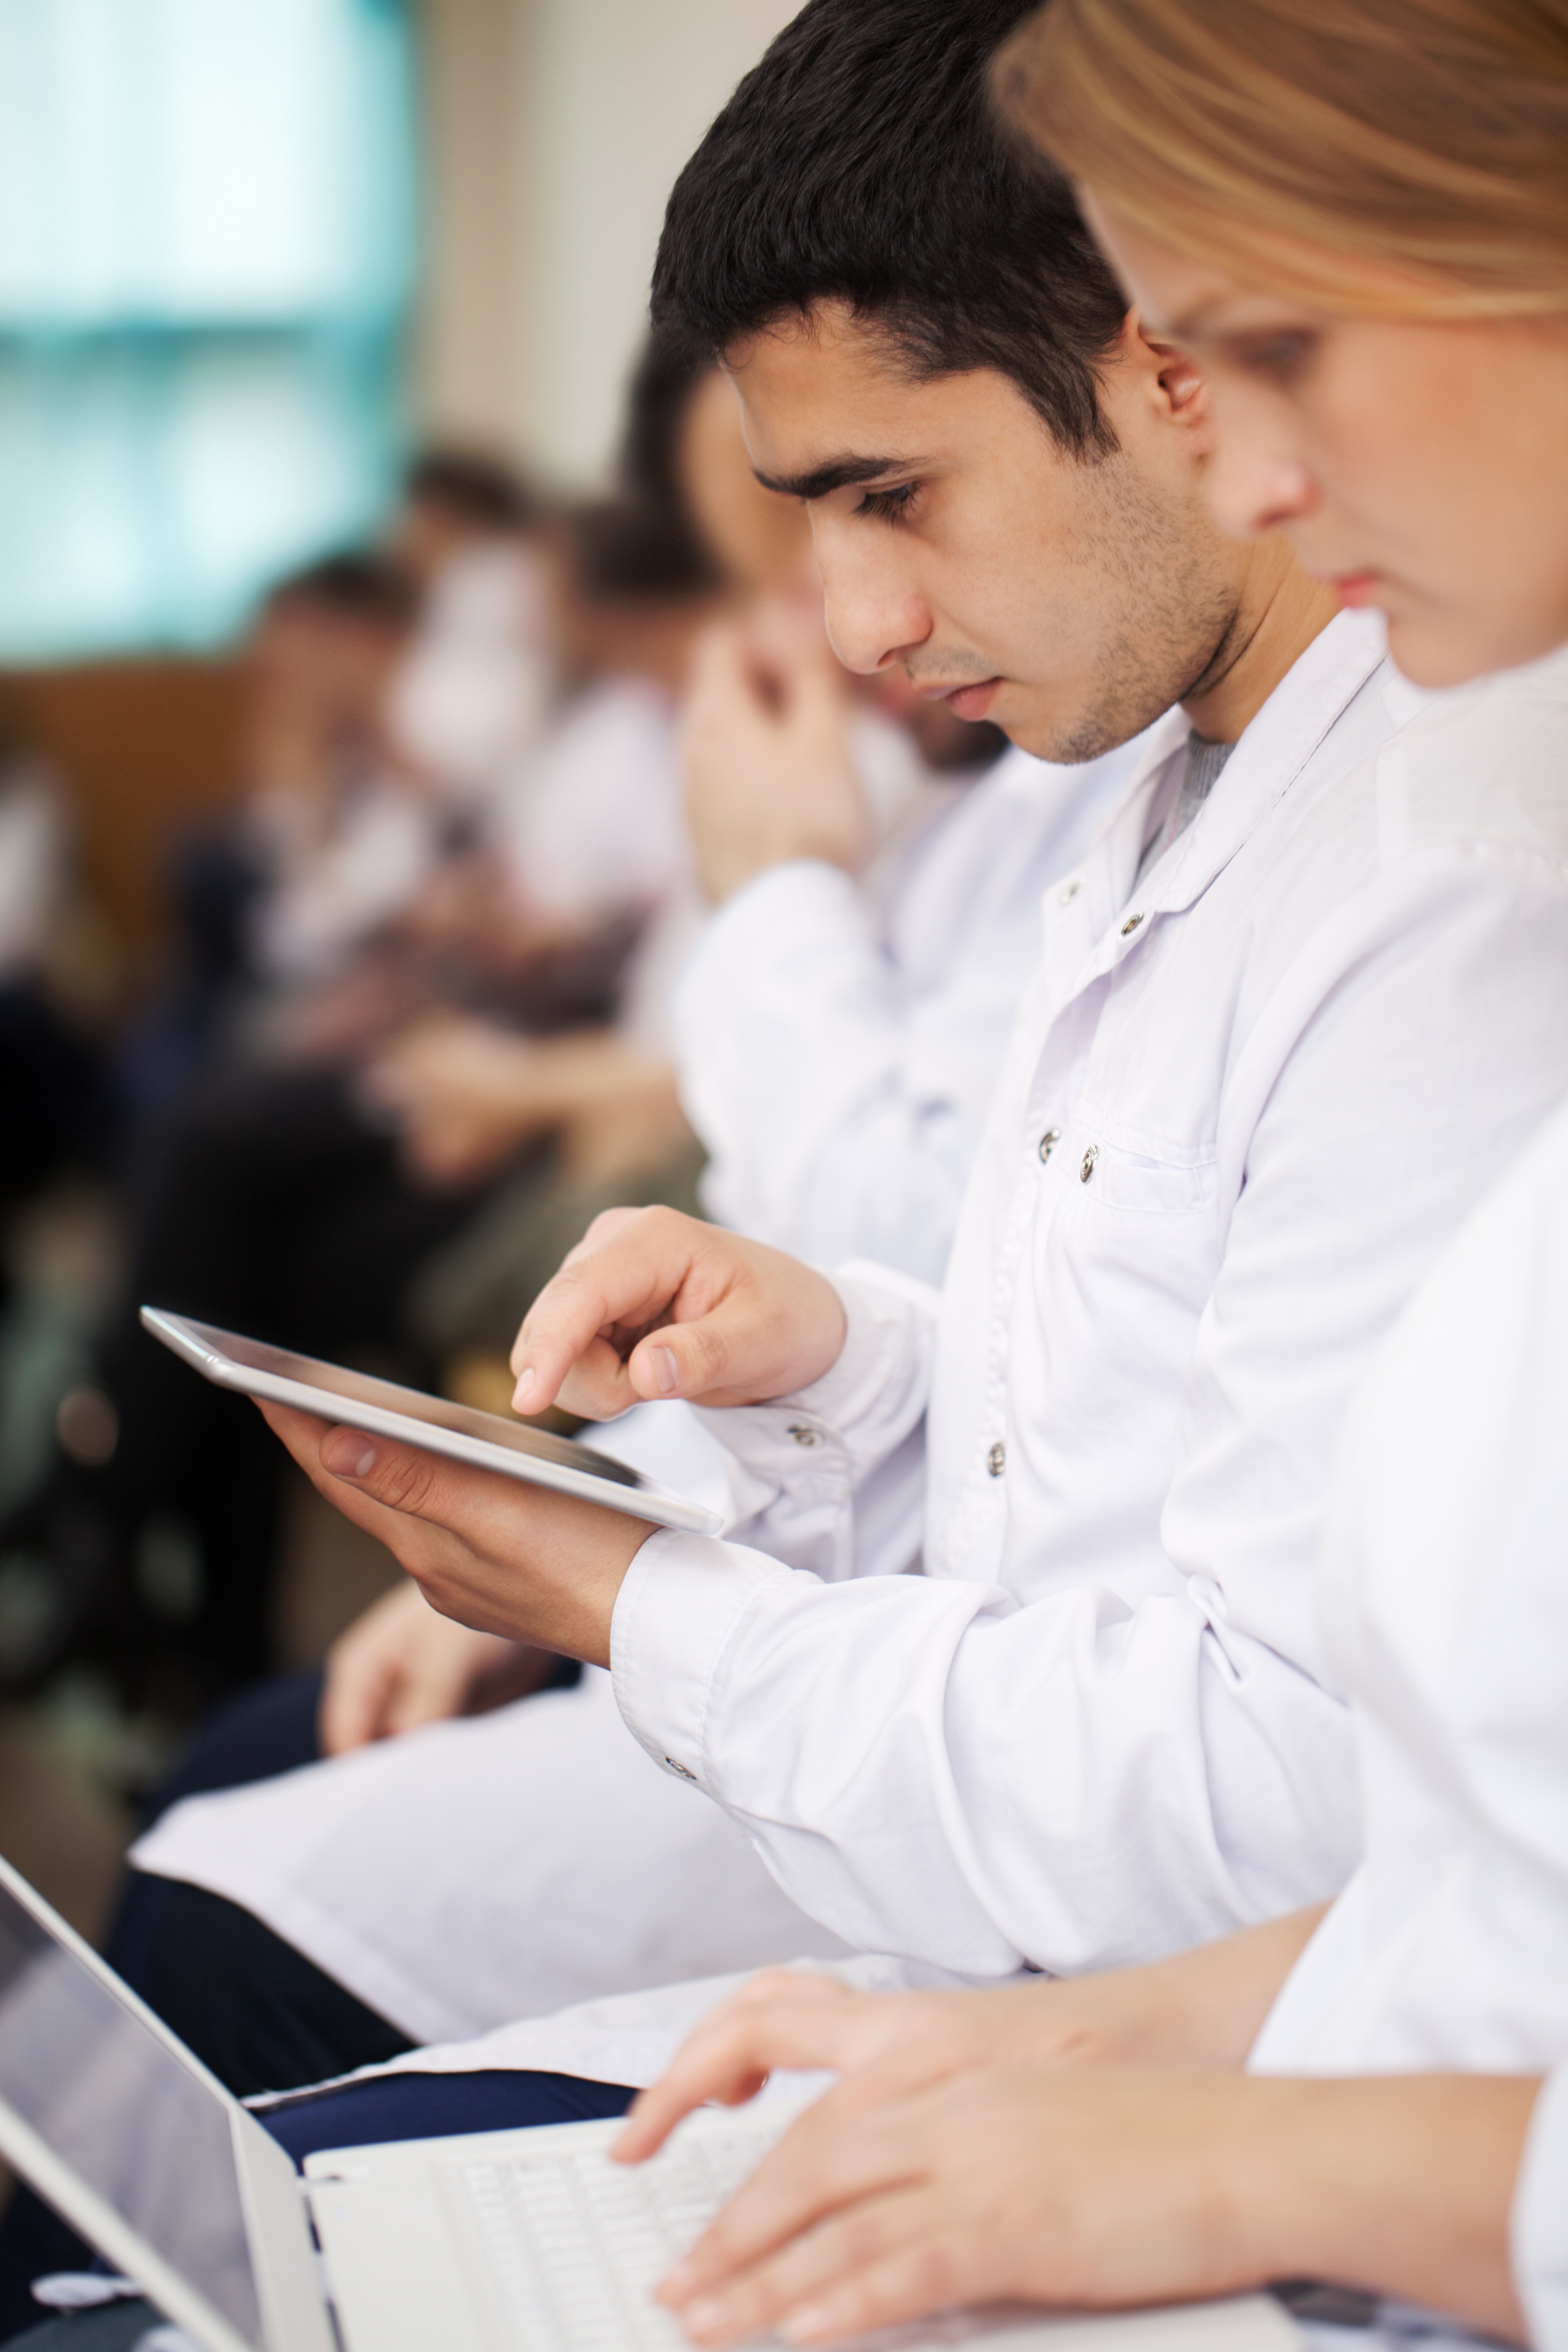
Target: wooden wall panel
[139, 748]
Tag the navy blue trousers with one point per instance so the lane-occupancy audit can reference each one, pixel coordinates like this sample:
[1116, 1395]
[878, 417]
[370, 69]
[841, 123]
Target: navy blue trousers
[430, 2106]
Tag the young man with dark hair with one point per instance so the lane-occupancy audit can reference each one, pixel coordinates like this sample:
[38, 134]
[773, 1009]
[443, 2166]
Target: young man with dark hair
[1223, 1153]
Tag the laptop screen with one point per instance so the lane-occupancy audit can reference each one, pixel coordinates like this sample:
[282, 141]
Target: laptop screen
[114, 2102]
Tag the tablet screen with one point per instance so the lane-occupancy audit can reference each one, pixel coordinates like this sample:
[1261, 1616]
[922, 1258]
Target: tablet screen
[362, 1388]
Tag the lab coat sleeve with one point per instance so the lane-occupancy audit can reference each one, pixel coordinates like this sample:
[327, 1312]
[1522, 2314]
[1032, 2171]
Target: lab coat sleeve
[1540, 2228]
[932, 1769]
[832, 1479]
[830, 1133]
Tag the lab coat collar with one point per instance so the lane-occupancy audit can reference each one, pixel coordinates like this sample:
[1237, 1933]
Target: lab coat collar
[1112, 918]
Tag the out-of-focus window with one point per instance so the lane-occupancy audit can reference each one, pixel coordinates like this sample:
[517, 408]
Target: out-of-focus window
[207, 243]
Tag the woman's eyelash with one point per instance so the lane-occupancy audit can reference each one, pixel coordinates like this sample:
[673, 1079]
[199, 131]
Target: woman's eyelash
[1281, 355]
[889, 506]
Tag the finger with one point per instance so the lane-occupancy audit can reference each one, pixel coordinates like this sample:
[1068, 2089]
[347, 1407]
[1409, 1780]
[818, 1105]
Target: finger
[354, 1700]
[717, 663]
[432, 1697]
[820, 2166]
[895, 2258]
[626, 1279]
[781, 2018]
[304, 1436]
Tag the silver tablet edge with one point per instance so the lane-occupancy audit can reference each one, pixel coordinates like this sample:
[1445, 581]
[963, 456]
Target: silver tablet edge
[649, 1502]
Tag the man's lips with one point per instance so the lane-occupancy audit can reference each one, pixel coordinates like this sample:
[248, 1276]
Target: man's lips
[966, 701]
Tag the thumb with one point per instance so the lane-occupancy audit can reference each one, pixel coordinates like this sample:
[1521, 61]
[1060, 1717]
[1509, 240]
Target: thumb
[398, 1477]
[696, 1360]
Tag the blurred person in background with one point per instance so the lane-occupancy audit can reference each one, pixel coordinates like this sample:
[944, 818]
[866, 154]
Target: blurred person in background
[332, 837]
[479, 683]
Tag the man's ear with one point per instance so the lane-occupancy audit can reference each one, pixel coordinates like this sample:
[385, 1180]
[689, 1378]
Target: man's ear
[1181, 384]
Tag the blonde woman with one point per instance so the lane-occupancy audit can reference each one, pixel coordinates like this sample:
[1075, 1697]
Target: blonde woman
[1356, 217]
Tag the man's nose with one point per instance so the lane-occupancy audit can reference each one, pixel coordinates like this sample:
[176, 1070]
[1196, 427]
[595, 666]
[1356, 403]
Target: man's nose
[874, 609]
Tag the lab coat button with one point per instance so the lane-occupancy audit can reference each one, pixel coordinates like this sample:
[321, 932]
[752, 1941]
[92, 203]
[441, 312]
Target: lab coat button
[1087, 1169]
[997, 1461]
[1050, 1141]
[1069, 894]
[803, 1436]
[1130, 924]
[680, 1769]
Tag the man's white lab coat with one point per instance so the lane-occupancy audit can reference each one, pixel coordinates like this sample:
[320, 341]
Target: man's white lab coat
[497, 1868]
[1244, 1107]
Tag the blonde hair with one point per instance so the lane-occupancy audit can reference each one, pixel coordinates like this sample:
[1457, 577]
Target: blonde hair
[1404, 158]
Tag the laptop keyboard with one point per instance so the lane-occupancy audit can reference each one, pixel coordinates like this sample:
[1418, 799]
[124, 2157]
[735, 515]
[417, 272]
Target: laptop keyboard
[577, 2246]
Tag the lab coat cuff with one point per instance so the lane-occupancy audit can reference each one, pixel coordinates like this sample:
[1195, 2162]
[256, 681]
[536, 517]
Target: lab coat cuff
[679, 1608]
[1540, 2221]
[832, 1434]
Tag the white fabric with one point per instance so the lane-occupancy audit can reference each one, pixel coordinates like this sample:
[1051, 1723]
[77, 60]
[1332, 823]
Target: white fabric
[841, 1113]
[475, 690]
[1104, 1724]
[592, 818]
[1445, 1605]
[1445, 1610]
[329, 895]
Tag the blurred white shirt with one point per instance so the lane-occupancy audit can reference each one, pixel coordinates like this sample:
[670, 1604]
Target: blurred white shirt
[839, 1045]
[477, 688]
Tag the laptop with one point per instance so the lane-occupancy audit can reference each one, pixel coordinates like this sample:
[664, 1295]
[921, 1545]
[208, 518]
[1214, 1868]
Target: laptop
[492, 2242]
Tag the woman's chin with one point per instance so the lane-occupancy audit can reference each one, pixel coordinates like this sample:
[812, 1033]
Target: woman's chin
[1450, 647]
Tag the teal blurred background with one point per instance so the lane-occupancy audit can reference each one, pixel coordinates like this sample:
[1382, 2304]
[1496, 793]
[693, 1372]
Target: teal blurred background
[208, 239]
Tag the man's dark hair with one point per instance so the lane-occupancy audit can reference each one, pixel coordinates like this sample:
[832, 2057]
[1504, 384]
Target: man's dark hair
[353, 586]
[480, 490]
[862, 161]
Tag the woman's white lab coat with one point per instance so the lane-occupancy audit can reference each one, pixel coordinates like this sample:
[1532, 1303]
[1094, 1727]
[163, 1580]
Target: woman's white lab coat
[1444, 1609]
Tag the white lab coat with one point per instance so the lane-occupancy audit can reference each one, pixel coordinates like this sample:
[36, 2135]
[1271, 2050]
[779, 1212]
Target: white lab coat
[841, 1113]
[499, 1868]
[1103, 1724]
[1444, 1597]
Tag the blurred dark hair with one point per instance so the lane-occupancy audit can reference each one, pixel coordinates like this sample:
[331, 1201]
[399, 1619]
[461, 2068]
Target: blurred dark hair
[642, 544]
[861, 162]
[481, 491]
[630, 550]
[353, 586]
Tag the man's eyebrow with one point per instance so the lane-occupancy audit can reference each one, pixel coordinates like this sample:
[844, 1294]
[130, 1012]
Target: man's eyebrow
[838, 474]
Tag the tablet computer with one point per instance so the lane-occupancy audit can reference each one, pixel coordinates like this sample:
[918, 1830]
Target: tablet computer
[433, 1423]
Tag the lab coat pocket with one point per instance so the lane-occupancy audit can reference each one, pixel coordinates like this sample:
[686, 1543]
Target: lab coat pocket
[1115, 1177]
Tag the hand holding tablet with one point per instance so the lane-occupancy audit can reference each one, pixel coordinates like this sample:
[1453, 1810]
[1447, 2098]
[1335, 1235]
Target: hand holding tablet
[504, 1529]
